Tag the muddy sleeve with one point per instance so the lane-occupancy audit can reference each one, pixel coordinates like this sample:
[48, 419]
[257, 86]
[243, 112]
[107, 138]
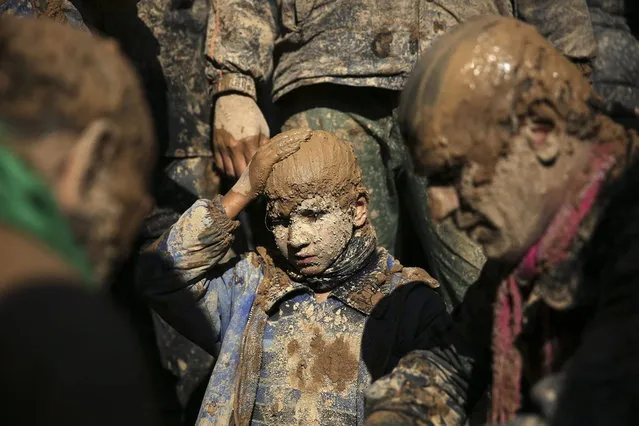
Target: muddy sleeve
[196, 243]
[440, 386]
[566, 24]
[240, 41]
[172, 271]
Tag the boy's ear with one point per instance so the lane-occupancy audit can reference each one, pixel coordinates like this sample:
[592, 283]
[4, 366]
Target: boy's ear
[361, 211]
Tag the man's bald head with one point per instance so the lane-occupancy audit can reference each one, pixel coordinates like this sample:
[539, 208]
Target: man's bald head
[477, 84]
[503, 126]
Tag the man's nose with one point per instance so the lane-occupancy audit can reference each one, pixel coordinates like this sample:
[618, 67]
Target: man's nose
[298, 235]
[442, 201]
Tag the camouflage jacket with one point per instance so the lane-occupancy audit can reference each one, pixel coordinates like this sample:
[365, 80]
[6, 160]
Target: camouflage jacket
[58, 10]
[615, 74]
[358, 42]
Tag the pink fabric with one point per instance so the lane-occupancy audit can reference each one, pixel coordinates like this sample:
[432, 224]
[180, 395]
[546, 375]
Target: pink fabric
[550, 250]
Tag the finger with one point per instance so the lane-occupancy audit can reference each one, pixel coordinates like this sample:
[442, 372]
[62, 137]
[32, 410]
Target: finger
[239, 163]
[217, 152]
[229, 170]
[295, 134]
[219, 163]
[251, 149]
[287, 150]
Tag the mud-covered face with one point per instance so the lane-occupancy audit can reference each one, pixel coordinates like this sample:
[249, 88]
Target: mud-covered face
[504, 202]
[314, 234]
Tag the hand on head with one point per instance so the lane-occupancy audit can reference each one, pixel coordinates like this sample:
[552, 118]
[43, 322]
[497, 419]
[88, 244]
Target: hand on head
[253, 180]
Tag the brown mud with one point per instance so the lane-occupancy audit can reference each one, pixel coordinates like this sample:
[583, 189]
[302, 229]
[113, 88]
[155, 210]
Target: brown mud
[496, 71]
[325, 165]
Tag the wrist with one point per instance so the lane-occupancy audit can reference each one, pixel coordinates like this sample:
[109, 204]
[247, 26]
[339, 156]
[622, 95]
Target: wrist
[229, 83]
[234, 202]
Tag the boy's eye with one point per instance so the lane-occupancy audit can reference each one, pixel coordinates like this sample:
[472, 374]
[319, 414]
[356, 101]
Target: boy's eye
[312, 215]
[279, 221]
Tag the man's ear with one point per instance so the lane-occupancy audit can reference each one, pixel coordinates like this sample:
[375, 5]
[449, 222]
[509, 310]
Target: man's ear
[543, 140]
[361, 211]
[93, 149]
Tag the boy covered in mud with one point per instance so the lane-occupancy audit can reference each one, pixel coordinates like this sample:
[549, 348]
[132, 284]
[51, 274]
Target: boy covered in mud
[287, 324]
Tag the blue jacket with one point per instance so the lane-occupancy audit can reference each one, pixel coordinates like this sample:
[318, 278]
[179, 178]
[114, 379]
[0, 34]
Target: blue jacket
[218, 307]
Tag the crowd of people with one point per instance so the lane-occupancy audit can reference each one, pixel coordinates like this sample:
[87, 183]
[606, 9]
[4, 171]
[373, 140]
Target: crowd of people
[348, 212]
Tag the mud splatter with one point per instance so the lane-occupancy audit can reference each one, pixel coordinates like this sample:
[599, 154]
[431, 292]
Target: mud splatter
[322, 360]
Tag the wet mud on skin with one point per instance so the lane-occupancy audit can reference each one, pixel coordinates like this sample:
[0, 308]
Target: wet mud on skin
[500, 75]
[479, 69]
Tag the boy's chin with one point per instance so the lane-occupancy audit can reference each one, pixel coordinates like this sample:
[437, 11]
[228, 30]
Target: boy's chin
[311, 270]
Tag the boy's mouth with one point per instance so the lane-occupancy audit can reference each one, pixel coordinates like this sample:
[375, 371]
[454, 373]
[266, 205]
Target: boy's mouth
[306, 259]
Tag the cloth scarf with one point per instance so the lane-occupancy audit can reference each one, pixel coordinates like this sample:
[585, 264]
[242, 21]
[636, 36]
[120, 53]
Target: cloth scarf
[26, 204]
[549, 252]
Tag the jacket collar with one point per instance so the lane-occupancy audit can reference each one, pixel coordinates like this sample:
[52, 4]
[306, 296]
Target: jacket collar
[361, 292]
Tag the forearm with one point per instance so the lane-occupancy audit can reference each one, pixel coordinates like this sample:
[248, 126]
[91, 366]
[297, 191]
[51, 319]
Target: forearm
[234, 202]
[196, 243]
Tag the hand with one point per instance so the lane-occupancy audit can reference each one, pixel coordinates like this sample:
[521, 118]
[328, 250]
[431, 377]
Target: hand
[253, 180]
[240, 129]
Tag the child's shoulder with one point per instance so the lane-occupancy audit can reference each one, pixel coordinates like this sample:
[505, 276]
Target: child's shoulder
[406, 274]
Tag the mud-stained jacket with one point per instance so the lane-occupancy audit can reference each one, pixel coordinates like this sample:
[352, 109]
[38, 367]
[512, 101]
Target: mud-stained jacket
[218, 308]
[359, 42]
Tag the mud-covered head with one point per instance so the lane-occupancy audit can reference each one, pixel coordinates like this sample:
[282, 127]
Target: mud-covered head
[494, 115]
[72, 107]
[316, 200]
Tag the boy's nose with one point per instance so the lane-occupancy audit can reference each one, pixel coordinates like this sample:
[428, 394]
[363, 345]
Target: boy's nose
[298, 236]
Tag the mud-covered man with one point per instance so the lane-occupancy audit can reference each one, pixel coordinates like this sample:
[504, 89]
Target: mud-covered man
[76, 153]
[287, 323]
[511, 136]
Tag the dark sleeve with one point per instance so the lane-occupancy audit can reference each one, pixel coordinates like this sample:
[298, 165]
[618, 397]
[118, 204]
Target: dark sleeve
[68, 358]
[602, 380]
[440, 385]
[411, 317]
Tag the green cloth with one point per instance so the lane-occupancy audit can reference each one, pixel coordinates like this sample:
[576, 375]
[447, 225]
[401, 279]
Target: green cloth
[26, 204]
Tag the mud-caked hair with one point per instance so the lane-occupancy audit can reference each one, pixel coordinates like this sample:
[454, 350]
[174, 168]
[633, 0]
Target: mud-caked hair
[324, 165]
